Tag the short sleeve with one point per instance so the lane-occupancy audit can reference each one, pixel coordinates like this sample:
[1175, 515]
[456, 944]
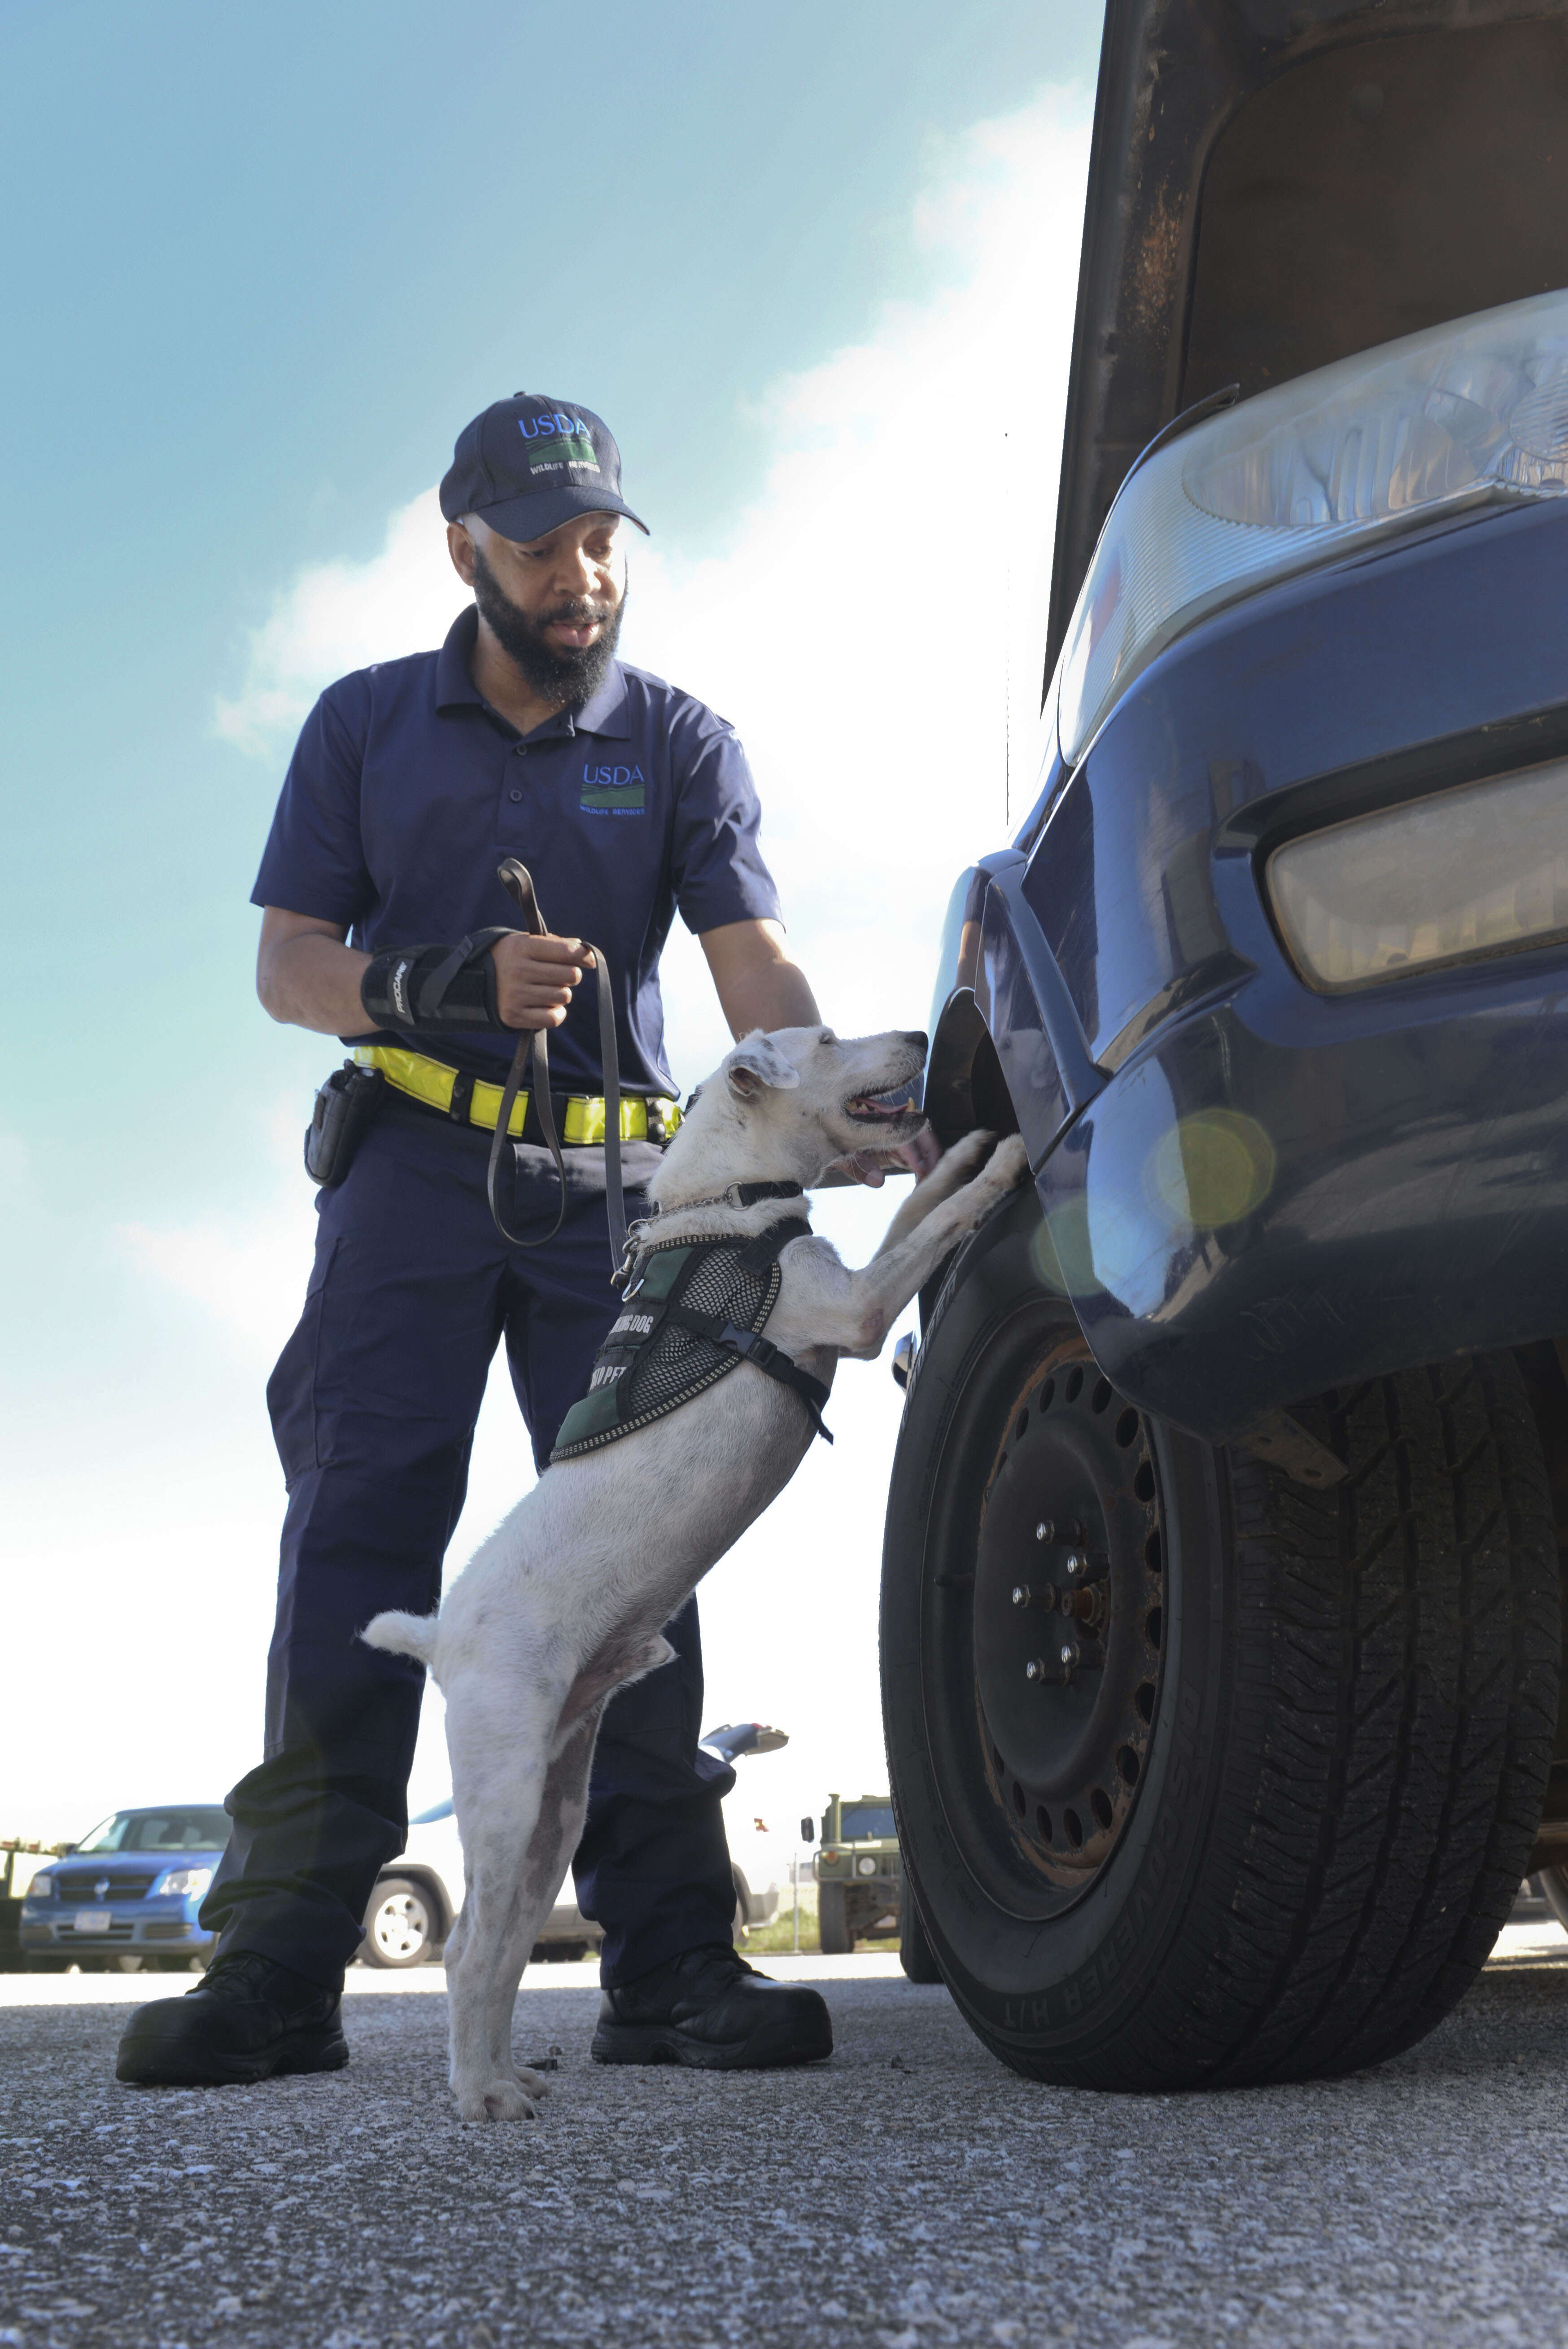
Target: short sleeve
[313, 862]
[719, 875]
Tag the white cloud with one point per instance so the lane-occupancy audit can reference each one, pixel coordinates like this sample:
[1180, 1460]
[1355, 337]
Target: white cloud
[339, 616]
[878, 605]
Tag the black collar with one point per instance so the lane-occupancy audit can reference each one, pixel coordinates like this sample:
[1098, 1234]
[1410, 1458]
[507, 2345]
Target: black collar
[738, 1195]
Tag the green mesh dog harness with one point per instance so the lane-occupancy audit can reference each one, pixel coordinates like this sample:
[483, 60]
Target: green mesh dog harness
[693, 1310]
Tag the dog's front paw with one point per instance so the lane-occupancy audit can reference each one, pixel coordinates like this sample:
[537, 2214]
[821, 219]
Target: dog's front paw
[965, 1154]
[497, 2100]
[1008, 1164]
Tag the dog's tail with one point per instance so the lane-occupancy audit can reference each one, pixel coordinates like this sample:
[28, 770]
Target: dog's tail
[403, 1635]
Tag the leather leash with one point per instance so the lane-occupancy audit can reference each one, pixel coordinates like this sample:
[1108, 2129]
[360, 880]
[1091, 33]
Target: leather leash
[517, 880]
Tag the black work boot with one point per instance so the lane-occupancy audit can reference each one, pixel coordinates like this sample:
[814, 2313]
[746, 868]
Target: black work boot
[246, 2019]
[709, 2009]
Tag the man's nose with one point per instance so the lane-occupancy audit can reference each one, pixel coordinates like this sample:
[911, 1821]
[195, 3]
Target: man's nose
[580, 575]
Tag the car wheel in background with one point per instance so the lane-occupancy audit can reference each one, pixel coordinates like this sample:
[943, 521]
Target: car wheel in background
[742, 1924]
[1264, 1819]
[399, 1925]
[1554, 1883]
[916, 1954]
[833, 1919]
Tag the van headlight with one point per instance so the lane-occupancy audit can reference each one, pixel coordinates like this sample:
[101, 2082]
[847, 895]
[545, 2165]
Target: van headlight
[186, 1883]
[1463, 415]
[1476, 871]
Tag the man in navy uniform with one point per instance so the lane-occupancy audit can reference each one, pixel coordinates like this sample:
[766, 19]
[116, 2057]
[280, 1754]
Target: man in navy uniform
[628, 800]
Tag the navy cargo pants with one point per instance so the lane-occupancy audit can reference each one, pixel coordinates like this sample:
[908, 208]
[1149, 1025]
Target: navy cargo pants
[373, 1402]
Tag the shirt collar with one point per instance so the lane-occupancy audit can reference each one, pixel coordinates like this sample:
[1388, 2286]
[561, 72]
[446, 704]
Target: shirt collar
[605, 714]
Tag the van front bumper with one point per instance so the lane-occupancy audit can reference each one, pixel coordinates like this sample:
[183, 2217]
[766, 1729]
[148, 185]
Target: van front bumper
[1400, 1164]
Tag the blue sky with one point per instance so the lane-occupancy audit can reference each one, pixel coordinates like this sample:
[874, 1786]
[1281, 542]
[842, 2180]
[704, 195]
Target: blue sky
[263, 264]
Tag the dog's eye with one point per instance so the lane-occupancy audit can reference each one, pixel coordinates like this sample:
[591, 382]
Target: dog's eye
[827, 1037]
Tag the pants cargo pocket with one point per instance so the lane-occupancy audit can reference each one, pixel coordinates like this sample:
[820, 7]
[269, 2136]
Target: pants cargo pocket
[291, 1390]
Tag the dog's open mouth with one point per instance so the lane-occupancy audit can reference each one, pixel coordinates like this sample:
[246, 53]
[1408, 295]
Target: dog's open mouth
[900, 1103]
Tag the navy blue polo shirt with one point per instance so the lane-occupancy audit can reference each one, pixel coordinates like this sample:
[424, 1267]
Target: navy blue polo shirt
[407, 789]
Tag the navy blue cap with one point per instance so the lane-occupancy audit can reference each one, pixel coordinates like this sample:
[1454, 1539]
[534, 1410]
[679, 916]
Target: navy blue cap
[530, 463]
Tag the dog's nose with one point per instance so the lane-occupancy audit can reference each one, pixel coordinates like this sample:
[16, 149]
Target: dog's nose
[916, 1036]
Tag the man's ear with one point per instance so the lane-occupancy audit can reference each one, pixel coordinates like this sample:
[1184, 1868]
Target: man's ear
[757, 1062]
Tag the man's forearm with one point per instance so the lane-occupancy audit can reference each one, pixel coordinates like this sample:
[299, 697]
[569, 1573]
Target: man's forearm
[756, 983]
[775, 994]
[313, 981]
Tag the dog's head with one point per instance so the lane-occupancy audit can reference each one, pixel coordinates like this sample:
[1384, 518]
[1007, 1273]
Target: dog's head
[787, 1105]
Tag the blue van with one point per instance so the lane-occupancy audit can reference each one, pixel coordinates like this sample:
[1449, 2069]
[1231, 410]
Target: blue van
[128, 1896]
[1221, 1623]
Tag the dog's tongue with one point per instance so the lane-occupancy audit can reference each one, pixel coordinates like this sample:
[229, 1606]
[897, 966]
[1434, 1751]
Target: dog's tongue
[894, 1104]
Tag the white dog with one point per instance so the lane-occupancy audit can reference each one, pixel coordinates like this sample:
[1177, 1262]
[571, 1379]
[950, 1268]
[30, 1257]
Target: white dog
[564, 1602]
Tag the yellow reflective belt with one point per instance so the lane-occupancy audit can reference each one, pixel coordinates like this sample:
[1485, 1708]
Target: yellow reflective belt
[431, 1082]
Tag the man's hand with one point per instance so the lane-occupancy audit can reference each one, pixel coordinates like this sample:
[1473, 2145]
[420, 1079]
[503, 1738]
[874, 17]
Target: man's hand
[534, 977]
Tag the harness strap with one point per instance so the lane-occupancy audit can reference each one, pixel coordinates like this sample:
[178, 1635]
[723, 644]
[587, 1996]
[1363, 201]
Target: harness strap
[758, 1254]
[518, 881]
[762, 1353]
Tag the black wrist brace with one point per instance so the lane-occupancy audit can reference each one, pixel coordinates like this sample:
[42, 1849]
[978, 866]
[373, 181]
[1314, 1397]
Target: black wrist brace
[432, 990]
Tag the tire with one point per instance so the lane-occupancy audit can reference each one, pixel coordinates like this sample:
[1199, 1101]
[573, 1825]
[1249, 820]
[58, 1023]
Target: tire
[1553, 1882]
[401, 1925]
[1300, 1758]
[740, 1925]
[833, 1919]
[32, 1965]
[916, 1954]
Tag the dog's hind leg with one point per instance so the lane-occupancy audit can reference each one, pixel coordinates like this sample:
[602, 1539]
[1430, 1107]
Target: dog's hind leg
[563, 1806]
[521, 1757]
[498, 1739]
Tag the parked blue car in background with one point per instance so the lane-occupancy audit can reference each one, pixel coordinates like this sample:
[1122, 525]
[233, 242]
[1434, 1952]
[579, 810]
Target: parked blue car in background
[126, 1896]
[1221, 1622]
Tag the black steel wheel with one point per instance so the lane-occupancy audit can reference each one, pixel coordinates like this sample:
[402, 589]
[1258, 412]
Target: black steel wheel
[1202, 1775]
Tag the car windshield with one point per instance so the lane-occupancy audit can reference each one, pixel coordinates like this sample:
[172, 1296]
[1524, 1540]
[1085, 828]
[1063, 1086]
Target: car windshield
[861, 1822]
[204, 1829]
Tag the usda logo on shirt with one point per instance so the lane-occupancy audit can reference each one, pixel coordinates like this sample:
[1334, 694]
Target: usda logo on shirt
[613, 790]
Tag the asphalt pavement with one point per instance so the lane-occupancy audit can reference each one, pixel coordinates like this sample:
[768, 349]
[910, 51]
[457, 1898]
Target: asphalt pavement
[910, 2193]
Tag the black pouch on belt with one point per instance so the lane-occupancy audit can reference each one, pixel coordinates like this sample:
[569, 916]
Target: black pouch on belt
[343, 1108]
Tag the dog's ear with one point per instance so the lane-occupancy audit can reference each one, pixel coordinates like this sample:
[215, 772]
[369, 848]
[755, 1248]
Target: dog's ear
[754, 1064]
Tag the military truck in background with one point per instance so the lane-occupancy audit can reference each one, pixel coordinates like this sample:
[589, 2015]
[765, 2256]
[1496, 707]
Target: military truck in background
[859, 1879]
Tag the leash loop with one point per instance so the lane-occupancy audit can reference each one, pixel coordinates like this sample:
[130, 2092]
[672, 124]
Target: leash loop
[517, 880]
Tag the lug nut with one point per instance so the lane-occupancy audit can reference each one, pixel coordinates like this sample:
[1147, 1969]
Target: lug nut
[1044, 1530]
[1024, 1595]
[1077, 1567]
[1053, 1670]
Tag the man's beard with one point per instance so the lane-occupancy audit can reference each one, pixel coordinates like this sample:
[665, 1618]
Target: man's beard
[570, 676]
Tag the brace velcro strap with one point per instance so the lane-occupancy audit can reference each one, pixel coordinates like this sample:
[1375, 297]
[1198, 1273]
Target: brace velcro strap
[431, 991]
[762, 1354]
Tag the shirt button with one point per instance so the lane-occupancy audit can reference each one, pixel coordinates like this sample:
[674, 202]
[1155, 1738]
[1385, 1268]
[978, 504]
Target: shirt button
[520, 750]
[516, 795]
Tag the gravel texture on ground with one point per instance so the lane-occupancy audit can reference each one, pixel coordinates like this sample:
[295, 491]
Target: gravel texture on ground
[910, 2193]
